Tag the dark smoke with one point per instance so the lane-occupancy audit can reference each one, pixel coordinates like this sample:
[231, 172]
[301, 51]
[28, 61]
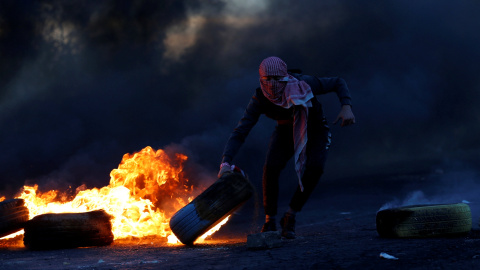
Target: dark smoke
[83, 82]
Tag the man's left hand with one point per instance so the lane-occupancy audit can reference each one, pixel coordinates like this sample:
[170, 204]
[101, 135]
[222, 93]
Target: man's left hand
[346, 115]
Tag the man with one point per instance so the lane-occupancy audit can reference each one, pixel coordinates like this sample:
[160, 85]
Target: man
[301, 132]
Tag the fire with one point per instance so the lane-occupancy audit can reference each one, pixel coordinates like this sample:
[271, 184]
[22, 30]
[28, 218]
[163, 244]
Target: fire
[146, 189]
[172, 239]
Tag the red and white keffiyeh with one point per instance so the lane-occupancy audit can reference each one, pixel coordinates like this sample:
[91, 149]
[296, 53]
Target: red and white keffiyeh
[286, 93]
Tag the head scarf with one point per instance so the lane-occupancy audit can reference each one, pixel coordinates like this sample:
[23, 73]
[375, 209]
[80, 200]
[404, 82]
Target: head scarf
[286, 93]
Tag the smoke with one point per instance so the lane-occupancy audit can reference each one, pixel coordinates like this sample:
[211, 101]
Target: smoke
[417, 197]
[455, 185]
[82, 83]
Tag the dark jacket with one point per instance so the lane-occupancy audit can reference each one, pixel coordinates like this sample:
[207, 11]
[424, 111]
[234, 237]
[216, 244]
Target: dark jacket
[259, 104]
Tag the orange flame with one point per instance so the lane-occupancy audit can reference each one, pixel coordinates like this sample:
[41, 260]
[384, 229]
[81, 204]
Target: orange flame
[145, 190]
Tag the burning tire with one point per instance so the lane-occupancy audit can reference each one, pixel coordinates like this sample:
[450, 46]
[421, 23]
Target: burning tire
[419, 221]
[221, 199]
[68, 230]
[13, 215]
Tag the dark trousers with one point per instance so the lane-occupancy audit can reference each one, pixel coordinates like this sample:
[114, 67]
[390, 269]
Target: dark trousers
[280, 152]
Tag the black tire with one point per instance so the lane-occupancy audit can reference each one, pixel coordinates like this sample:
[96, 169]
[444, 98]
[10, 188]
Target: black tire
[418, 221]
[68, 230]
[209, 208]
[13, 215]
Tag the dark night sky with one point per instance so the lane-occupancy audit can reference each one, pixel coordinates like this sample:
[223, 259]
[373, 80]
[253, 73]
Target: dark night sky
[83, 82]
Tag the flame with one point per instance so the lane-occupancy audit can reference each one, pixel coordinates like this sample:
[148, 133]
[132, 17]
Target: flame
[145, 190]
[172, 239]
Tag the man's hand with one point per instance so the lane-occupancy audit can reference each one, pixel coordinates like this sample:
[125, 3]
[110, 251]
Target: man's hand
[346, 115]
[224, 167]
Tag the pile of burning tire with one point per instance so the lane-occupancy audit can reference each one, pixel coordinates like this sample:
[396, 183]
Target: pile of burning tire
[52, 231]
[94, 228]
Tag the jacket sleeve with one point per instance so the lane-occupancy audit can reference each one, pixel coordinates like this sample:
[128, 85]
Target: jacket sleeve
[237, 138]
[337, 85]
[326, 85]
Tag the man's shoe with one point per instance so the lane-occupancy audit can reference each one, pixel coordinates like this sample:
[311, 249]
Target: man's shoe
[269, 227]
[288, 226]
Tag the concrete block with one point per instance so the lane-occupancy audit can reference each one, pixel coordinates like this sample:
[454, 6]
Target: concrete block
[264, 240]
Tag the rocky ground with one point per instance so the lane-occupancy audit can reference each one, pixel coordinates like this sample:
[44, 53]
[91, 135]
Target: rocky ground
[336, 230]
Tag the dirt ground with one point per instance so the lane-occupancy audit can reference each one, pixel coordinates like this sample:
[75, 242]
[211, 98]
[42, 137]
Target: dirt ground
[336, 230]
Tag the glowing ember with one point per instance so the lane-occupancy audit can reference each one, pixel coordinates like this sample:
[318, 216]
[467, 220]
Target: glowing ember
[144, 192]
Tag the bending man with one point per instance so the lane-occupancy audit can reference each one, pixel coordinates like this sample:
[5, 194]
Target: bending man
[301, 132]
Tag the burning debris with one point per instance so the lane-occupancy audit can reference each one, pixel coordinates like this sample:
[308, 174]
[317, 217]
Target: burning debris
[68, 230]
[146, 189]
[13, 215]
